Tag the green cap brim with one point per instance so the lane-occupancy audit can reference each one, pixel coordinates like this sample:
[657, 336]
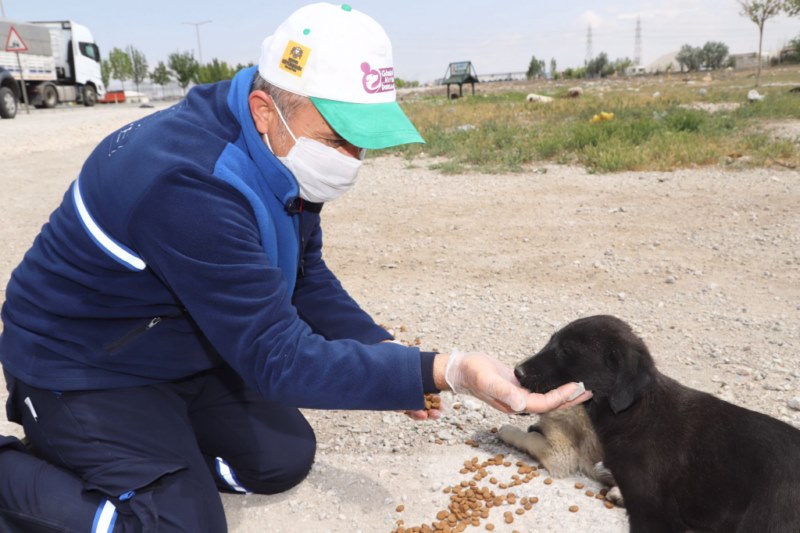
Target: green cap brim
[371, 126]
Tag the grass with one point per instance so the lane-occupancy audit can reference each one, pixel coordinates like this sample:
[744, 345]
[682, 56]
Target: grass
[499, 131]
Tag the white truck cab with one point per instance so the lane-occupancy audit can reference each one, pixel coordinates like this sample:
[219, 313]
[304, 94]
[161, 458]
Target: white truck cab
[61, 64]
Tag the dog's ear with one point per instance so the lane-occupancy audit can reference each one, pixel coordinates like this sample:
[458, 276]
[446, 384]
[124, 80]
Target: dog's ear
[634, 372]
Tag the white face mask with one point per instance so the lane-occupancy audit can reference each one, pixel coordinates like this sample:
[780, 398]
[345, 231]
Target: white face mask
[323, 173]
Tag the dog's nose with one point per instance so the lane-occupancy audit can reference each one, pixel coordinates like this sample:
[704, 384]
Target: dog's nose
[519, 373]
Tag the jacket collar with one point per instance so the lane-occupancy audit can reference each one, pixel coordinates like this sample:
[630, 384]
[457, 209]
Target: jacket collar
[282, 183]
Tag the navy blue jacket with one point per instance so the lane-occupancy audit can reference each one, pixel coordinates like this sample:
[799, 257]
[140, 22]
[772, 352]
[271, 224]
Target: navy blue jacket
[179, 248]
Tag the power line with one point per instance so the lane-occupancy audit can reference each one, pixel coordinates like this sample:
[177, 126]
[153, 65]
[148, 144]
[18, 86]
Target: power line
[589, 53]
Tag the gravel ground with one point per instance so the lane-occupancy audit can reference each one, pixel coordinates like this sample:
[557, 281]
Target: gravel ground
[704, 263]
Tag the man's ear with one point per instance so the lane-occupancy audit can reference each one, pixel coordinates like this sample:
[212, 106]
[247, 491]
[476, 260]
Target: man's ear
[633, 375]
[262, 109]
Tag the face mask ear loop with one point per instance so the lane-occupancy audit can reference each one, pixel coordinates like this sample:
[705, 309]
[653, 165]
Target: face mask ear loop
[280, 115]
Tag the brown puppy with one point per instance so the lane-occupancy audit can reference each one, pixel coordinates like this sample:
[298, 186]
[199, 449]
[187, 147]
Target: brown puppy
[683, 459]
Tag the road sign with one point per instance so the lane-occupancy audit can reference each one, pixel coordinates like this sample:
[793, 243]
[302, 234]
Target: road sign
[14, 42]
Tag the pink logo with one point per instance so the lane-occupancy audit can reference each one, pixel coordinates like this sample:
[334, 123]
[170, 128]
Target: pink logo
[377, 80]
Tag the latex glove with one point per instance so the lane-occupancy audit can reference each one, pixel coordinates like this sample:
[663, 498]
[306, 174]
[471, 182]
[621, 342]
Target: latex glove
[493, 382]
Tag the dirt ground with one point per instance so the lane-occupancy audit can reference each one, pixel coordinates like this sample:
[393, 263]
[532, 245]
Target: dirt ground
[704, 263]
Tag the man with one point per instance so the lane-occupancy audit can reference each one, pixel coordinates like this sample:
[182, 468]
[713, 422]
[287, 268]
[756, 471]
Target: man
[175, 312]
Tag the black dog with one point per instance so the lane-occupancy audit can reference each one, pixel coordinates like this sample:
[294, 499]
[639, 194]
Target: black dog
[683, 459]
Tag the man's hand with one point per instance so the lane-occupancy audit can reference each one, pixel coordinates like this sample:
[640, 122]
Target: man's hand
[433, 414]
[422, 414]
[489, 380]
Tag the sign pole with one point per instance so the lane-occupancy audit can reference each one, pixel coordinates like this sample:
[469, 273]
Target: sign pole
[22, 83]
[14, 43]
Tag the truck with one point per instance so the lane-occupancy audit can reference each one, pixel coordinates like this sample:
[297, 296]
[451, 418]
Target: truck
[59, 62]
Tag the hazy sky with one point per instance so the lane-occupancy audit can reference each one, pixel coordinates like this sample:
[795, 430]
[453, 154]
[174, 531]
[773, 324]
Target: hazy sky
[498, 36]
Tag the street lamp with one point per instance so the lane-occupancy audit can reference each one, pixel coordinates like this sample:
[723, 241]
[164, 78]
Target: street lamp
[197, 29]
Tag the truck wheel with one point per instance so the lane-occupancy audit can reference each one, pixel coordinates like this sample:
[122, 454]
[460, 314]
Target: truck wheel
[89, 95]
[49, 96]
[8, 103]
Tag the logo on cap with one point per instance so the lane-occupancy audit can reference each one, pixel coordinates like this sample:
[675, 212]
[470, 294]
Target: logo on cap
[377, 80]
[294, 58]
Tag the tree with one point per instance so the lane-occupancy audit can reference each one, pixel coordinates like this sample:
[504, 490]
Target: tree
[105, 72]
[760, 11]
[121, 68]
[794, 55]
[160, 76]
[402, 84]
[621, 65]
[215, 71]
[535, 68]
[792, 7]
[714, 55]
[553, 69]
[138, 66]
[598, 66]
[690, 57]
[185, 68]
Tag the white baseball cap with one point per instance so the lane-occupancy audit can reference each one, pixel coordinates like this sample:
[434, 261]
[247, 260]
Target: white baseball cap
[342, 60]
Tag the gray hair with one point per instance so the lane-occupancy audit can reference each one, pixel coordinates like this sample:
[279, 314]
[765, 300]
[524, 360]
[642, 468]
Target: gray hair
[287, 102]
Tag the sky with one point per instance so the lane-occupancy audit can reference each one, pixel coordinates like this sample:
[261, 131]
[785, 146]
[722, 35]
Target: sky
[497, 36]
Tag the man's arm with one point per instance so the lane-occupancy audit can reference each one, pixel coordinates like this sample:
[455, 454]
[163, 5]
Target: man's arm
[324, 304]
[199, 236]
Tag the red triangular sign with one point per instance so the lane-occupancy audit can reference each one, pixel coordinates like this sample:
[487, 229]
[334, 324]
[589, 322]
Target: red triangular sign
[14, 42]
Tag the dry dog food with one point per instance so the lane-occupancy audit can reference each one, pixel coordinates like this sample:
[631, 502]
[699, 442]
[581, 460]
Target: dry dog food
[472, 503]
[432, 401]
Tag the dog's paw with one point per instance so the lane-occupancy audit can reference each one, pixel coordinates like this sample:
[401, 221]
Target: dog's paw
[614, 495]
[509, 434]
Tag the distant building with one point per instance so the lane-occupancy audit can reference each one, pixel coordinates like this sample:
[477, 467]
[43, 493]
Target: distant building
[636, 70]
[746, 61]
[665, 63]
[503, 76]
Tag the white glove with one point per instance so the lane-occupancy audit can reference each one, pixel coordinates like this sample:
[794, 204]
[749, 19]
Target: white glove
[485, 378]
[493, 382]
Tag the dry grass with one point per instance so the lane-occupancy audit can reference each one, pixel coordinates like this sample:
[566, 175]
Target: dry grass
[654, 125]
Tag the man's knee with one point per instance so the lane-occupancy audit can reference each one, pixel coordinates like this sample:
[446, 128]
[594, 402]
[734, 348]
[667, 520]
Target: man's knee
[269, 472]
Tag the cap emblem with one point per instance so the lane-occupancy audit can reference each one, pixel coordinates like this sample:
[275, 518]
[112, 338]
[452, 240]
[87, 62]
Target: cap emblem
[294, 58]
[377, 80]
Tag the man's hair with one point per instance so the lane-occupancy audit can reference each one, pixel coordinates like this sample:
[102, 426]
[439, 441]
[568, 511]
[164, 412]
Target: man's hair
[286, 101]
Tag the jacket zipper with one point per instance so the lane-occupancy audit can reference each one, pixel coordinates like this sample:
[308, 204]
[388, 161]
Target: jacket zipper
[301, 270]
[136, 332]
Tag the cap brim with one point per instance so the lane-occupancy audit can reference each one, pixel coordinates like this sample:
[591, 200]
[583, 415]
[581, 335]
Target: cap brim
[371, 126]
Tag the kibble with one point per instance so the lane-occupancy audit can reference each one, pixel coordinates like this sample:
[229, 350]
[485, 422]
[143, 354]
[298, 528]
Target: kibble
[432, 401]
[471, 503]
